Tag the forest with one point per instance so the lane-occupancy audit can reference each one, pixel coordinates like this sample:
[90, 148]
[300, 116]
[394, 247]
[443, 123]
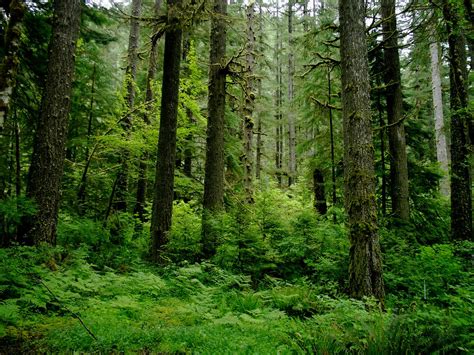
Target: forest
[236, 177]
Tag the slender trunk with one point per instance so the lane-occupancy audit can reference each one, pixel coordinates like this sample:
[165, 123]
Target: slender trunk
[461, 194]
[382, 153]
[81, 194]
[46, 170]
[17, 160]
[258, 165]
[333, 159]
[396, 129]
[278, 104]
[140, 201]
[121, 195]
[9, 65]
[441, 145]
[8, 71]
[188, 151]
[164, 177]
[319, 194]
[249, 105]
[365, 270]
[291, 116]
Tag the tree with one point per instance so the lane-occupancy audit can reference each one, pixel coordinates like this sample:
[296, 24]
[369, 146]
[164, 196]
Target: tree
[396, 129]
[441, 144]
[121, 190]
[213, 199]
[44, 179]
[365, 270]
[139, 209]
[461, 119]
[291, 94]
[165, 164]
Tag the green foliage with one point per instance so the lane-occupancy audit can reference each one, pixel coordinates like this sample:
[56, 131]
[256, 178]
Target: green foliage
[12, 210]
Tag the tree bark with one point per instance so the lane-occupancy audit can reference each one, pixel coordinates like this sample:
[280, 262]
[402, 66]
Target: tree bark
[46, 170]
[8, 72]
[164, 177]
[291, 116]
[333, 159]
[365, 270]
[140, 202]
[259, 143]
[441, 145]
[213, 200]
[121, 193]
[461, 119]
[249, 106]
[396, 130]
[278, 104]
[319, 194]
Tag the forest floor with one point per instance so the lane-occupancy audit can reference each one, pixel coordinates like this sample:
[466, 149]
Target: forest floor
[56, 300]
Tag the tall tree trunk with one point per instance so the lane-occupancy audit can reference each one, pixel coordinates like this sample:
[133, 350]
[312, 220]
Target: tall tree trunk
[441, 145]
[81, 193]
[140, 201]
[291, 116]
[380, 111]
[333, 159]
[259, 144]
[8, 71]
[396, 129]
[46, 170]
[164, 178]
[278, 104]
[9, 65]
[213, 201]
[365, 270]
[121, 193]
[249, 105]
[461, 118]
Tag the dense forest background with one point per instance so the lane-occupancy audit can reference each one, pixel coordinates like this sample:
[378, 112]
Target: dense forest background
[244, 177]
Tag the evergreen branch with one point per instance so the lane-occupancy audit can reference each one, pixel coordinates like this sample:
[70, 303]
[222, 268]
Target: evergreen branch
[326, 105]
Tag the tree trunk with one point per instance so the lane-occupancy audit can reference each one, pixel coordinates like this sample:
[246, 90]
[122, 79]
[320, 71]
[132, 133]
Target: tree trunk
[164, 178]
[8, 71]
[319, 194]
[396, 129]
[461, 194]
[46, 170]
[441, 145]
[9, 65]
[259, 144]
[249, 106]
[278, 104]
[291, 116]
[365, 270]
[121, 193]
[140, 201]
[213, 201]
[333, 159]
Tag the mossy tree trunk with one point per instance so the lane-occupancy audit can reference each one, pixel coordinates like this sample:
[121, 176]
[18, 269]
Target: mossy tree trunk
[46, 170]
[365, 272]
[461, 120]
[396, 128]
[213, 201]
[165, 165]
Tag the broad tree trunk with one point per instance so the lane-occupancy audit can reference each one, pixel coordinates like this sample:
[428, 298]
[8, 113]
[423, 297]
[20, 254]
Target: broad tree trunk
[291, 116]
[365, 270]
[121, 193]
[441, 145]
[461, 118]
[213, 201]
[164, 177]
[396, 129]
[249, 105]
[140, 201]
[46, 170]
